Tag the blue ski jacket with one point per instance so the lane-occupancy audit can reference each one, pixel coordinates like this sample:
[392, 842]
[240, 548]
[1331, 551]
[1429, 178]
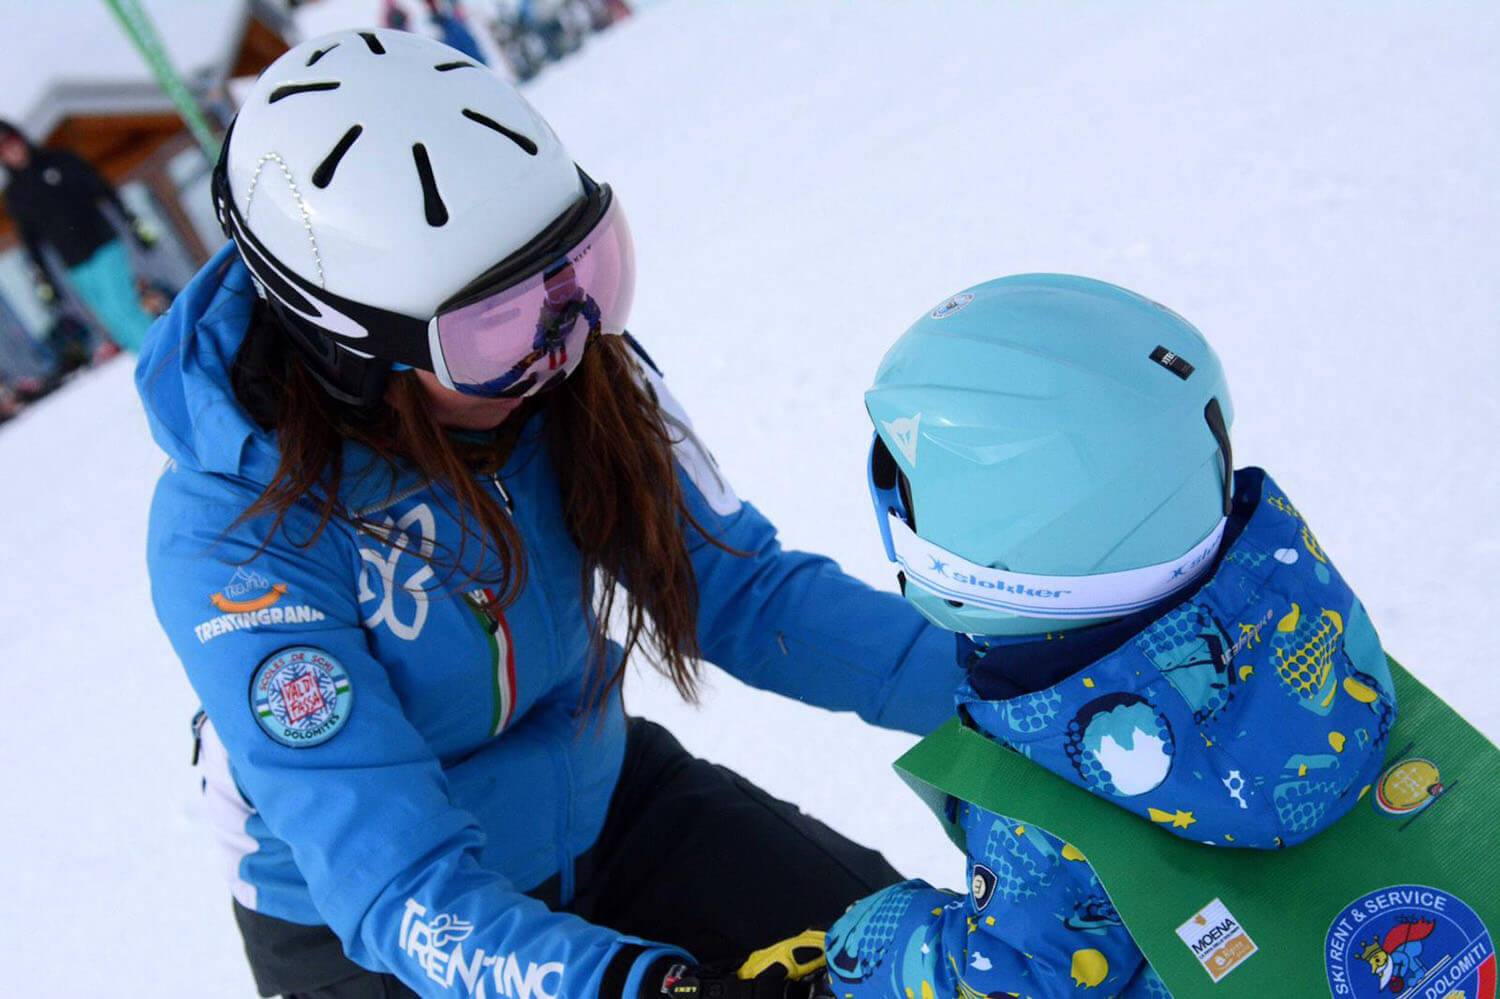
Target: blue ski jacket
[390, 755]
[1251, 711]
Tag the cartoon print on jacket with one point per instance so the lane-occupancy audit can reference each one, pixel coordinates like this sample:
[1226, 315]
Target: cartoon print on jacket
[1251, 713]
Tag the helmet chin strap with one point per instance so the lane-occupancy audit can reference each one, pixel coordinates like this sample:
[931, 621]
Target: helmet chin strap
[1109, 594]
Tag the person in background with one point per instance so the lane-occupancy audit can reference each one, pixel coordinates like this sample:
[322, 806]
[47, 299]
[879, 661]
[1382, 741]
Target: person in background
[449, 19]
[10, 404]
[155, 297]
[58, 202]
[27, 368]
[445, 18]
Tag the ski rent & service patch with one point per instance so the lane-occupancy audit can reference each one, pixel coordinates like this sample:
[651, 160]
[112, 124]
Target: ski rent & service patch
[1409, 940]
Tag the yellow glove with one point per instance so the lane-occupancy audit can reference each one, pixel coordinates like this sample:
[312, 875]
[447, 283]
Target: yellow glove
[798, 957]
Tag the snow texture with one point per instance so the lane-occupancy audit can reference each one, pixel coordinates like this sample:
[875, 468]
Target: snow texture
[1315, 186]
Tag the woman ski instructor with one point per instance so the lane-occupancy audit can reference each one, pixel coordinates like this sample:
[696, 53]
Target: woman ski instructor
[413, 454]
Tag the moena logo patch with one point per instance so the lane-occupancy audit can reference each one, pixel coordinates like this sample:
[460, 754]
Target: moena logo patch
[1217, 940]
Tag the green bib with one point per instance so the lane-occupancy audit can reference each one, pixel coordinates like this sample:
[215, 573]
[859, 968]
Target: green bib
[1396, 899]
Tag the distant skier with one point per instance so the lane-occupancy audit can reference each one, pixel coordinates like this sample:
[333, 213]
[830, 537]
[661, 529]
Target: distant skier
[445, 18]
[57, 201]
[1052, 472]
[448, 16]
[10, 400]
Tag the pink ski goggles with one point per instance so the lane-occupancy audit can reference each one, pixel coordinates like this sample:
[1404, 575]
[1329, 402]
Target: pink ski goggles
[522, 327]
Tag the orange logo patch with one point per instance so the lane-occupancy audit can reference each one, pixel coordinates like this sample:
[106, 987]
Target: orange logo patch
[261, 602]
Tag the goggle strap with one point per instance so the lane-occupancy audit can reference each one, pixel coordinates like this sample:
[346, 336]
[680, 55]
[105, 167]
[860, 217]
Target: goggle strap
[1213, 414]
[1101, 595]
[884, 494]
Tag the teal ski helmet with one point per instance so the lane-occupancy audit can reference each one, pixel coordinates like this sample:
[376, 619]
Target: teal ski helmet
[1050, 452]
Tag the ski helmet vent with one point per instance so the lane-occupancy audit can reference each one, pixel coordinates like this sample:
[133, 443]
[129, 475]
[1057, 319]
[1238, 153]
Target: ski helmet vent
[292, 89]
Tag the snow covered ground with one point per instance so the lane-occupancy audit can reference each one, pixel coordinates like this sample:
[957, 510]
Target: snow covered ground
[1314, 186]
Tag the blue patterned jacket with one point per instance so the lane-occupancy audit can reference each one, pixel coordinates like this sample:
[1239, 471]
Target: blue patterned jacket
[1251, 711]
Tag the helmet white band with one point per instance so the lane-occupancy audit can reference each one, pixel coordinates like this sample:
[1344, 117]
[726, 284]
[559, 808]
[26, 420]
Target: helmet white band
[1108, 594]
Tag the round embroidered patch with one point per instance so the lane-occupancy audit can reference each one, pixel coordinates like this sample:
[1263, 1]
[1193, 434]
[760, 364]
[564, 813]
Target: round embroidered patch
[1408, 786]
[1409, 940]
[301, 696]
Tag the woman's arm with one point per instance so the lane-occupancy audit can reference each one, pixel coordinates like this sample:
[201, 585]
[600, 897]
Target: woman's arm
[390, 862]
[795, 623]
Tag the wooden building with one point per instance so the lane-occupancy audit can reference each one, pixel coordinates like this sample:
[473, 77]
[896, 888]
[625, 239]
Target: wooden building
[131, 132]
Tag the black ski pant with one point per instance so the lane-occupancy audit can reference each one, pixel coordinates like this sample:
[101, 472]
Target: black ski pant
[691, 854]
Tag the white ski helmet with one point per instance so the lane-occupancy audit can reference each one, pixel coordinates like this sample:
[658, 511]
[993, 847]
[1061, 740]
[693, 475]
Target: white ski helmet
[368, 178]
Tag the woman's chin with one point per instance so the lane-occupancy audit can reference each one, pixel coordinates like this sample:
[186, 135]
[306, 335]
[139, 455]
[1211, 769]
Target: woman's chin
[464, 412]
[478, 414]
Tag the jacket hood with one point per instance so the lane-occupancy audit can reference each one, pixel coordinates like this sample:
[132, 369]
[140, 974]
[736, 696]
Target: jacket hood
[183, 378]
[1253, 712]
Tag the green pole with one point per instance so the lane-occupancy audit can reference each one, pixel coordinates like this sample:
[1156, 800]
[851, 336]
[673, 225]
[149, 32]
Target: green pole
[137, 24]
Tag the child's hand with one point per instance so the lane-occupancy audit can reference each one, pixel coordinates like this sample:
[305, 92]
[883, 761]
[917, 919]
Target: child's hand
[904, 942]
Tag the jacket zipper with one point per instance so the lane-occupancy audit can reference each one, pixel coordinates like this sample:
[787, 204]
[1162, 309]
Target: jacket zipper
[510, 504]
[561, 766]
[564, 772]
[199, 720]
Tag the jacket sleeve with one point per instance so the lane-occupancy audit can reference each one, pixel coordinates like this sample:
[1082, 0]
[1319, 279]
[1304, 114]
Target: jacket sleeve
[389, 860]
[1035, 922]
[795, 623]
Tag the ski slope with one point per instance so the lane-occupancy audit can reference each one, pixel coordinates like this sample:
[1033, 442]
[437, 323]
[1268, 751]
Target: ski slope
[1316, 188]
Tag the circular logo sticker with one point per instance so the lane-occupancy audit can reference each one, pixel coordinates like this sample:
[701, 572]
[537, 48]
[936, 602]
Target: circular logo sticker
[301, 696]
[1408, 787]
[1409, 940]
[952, 305]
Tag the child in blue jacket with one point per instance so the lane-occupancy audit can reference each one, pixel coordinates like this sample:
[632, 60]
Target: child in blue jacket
[1052, 471]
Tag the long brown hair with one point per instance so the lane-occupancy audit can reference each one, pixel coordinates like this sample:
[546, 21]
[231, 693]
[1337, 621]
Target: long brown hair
[622, 501]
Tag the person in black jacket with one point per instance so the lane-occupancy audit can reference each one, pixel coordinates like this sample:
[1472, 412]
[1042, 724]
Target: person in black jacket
[57, 201]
